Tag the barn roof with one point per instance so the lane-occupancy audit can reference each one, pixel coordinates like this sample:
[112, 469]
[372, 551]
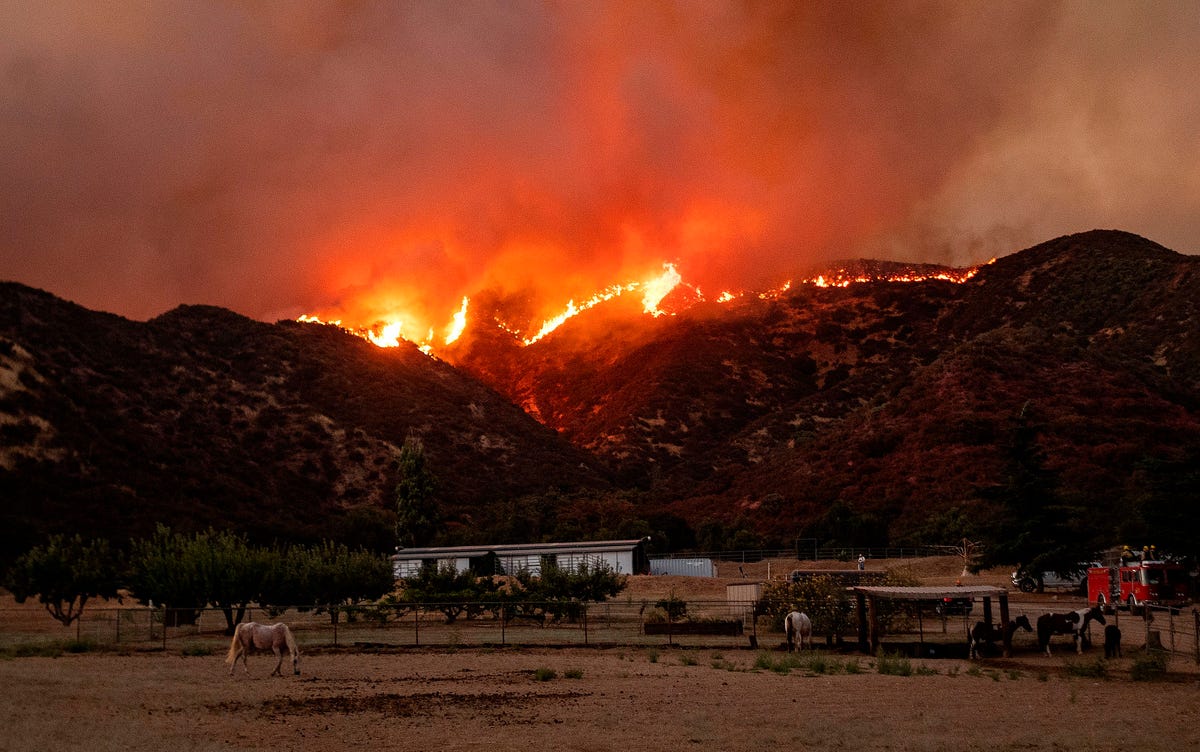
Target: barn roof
[929, 593]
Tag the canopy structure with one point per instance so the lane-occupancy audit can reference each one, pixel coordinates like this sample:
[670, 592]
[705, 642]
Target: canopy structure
[867, 597]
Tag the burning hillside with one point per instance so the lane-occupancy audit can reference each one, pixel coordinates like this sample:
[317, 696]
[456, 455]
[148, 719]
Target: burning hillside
[665, 293]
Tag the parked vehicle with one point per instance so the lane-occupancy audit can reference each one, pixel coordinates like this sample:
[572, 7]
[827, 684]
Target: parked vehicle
[1027, 582]
[1135, 584]
[954, 606]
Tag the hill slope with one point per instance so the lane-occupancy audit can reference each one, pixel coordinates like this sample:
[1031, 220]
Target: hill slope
[892, 402]
[204, 417]
[876, 412]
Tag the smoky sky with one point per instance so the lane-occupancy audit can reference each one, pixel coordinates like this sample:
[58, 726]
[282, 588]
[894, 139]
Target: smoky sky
[287, 157]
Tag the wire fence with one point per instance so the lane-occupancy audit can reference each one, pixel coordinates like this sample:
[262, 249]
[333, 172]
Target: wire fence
[808, 550]
[616, 623]
[620, 623]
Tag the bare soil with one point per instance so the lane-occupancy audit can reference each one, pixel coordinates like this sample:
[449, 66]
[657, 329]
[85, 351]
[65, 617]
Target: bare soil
[639, 698]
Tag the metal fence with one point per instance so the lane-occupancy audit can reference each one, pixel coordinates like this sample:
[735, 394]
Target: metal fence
[618, 623]
[810, 551]
[614, 623]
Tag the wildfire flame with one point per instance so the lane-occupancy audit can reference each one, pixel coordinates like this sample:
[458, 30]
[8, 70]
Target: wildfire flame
[390, 333]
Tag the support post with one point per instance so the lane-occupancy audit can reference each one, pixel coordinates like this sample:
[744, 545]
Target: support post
[864, 643]
[1005, 631]
[873, 619]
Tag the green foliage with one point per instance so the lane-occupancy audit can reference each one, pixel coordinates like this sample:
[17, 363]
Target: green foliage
[418, 514]
[545, 674]
[222, 569]
[674, 608]
[822, 597]
[65, 573]
[1149, 665]
[560, 592]
[894, 664]
[452, 592]
[1096, 669]
[196, 650]
[165, 569]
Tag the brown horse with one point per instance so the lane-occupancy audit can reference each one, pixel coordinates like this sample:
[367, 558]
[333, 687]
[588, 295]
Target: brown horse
[253, 636]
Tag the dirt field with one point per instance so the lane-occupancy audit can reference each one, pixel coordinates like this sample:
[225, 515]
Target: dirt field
[646, 699]
[578, 698]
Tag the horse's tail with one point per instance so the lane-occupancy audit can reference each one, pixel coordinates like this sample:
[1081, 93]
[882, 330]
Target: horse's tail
[291, 641]
[233, 645]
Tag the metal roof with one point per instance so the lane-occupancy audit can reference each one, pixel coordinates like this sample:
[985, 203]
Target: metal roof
[516, 549]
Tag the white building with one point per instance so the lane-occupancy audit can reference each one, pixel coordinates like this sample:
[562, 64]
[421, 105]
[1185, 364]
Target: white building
[622, 556]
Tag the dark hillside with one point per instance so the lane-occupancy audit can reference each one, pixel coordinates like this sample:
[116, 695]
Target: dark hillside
[879, 412]
[204, 417]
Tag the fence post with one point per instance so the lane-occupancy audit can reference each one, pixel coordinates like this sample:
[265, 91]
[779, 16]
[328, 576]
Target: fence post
[417, 625]
[585, 624]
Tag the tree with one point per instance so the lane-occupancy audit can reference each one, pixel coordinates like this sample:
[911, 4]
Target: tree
[418, 516]
[232, 572]
[324, 576]
[164, 568]
[1030, 523]
[452, 592]
[64, 574]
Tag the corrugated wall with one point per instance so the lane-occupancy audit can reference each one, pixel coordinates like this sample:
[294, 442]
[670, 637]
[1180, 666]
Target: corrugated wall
[685, 567]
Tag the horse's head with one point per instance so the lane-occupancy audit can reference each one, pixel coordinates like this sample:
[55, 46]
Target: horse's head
[1095, 613]
[1022, 622]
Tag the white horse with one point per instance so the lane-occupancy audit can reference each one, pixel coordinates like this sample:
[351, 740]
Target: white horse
[798, 628]
[251, 635]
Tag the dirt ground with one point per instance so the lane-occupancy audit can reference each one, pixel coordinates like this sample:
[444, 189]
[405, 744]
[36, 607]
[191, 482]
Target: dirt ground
[643, 699]
[638, 698]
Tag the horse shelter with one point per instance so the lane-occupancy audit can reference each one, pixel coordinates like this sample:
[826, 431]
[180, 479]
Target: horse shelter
[868, 596]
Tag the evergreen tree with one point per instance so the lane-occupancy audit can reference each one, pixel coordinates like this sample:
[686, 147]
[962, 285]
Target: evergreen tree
[418, 515]
[1031, 524]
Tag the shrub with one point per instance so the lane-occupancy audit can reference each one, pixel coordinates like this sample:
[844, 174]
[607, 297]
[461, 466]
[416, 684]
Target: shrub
[196, 650]
[1148, 666]
[674, 608]
[894, 664]
[545, 674]
[1096, 669]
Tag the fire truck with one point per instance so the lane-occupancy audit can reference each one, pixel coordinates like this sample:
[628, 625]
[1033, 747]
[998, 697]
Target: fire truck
[1137, 583]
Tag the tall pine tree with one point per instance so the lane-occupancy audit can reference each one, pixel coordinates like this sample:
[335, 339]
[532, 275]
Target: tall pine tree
[418, 513]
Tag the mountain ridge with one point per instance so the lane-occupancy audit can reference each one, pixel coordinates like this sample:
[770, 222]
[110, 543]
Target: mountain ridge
[877, 412]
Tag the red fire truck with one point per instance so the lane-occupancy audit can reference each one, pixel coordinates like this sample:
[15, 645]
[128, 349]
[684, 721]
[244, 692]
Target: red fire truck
[1136, 583]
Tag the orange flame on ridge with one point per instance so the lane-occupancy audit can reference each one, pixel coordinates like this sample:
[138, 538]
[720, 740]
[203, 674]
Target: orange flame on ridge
[389, 333]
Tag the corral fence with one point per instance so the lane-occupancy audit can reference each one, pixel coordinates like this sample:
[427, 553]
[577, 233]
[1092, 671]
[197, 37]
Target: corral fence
[612, 623]
[617, 623]
[806, 549]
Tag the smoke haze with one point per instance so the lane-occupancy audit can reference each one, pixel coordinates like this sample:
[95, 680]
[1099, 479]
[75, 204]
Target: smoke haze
[371, 158]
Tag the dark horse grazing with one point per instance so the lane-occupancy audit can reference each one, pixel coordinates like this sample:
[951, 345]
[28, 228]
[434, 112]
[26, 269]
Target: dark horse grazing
[985, 633]
[1112, 641]
[1074, 623]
